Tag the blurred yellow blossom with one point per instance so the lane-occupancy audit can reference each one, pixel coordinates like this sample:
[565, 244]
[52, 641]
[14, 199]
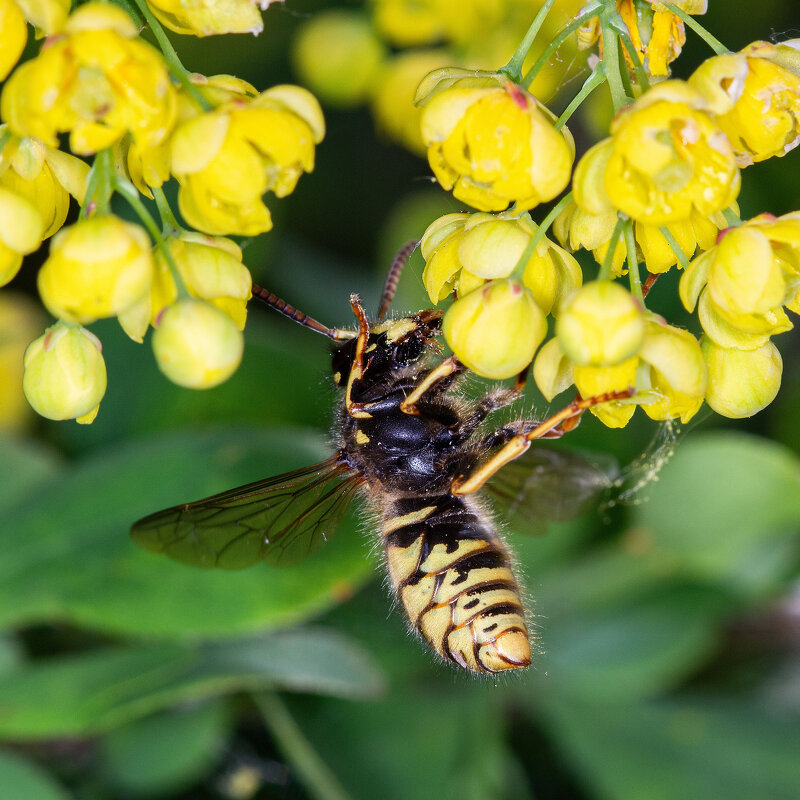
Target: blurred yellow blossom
[210, 17]
[22, 228]
[47, 15]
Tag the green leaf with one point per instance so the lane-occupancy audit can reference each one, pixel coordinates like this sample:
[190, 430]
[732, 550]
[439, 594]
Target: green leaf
[26, 469]
[165, 752]
[692, 749]
[721, 504]
[69, 555]
[21, 779]
[97, 691]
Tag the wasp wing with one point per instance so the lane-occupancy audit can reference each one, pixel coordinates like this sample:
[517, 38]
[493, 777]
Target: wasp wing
[549, 485]
[280, 520]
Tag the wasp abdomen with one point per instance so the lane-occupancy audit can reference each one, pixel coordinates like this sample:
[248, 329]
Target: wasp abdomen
[454, 578]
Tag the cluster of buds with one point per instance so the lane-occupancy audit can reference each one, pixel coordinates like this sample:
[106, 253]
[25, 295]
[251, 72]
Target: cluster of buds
[115, 96]
[661, 190]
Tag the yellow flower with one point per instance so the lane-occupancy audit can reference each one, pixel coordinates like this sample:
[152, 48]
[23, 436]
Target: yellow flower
[741, 382]
[657, 34]
[210, 268]
[227, 159]
[495, 329]
[21, 231]
[47, 15]
[665, 161]
[196, 345]
[99, 267]
[65, 375]
[600, 325]
[492, 142]
[393, 95]
[755, 100]
[21, 319]
[593, 381]
[740, 284]
[464, 250]
[337, 55]
[44, 176]
[552, 370]
[97, 81]
[210, 17]
[406, 23]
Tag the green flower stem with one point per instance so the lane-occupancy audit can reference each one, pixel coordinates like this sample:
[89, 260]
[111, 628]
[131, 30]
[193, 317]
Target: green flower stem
[514, 67]
[311, 770]
[714, 43]
[592, 10]
[627, 43]
[731, 217]
[541, 231]
[597, 77]
[5, 136]
[674, 246]
[131, 195]
[168, 221]
[608, 261]
[612, 66]
[100, 185]
[171, 57]
[633, 263]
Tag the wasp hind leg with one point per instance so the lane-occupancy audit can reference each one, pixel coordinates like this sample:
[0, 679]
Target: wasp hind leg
[565, 420]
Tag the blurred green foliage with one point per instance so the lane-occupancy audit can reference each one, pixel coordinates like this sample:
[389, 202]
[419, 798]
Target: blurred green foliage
[667, 629]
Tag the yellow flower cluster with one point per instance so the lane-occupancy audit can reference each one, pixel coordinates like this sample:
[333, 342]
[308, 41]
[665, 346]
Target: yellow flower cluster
[226, 144]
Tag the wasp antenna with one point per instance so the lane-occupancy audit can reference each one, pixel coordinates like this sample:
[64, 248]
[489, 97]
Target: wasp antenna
[284, 308]
[393, 276]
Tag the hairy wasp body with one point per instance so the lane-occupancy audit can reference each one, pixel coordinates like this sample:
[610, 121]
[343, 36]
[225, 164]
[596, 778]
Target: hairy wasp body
[412, 446]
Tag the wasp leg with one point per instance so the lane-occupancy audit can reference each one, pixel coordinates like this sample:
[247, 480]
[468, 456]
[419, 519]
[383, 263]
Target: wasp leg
[357, 371]
[565, 420]
[450, 366]
[393, 276]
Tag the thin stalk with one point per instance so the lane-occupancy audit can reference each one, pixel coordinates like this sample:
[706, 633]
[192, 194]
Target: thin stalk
[731, 217]
[592, 10]
[101, 184]
[590, 84]
[638, 67]
[714, 43]
[541, 231]
[131, 195]
[674, 246]
[171, 57]
[168, 221]
[311, 770]
[633, 263]
[514, 67]
[612, 66]
[608, 262]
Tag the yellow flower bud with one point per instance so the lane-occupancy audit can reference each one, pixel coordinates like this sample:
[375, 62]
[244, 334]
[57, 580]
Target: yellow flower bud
[593, 381]
[20, 321]
[65, 375]
[210, 268]
[337, 55]
[21, 232]
[97, 81]
[227, 159]
[665, 161]
[407, 24]
[552, 370]
[496, 329]
[393, 95]
[196, 345]
[741, 382]
[99, 267]
[210, 17]
[756, 101]
[600, 325]
[490, 165]
[13, 36]
[740, 331]
[677, 373]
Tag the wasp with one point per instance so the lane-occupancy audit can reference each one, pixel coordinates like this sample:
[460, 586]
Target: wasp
[409, 442]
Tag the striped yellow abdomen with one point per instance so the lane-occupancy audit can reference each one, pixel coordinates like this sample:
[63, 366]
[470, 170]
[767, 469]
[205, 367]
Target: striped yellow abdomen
[454, 578]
